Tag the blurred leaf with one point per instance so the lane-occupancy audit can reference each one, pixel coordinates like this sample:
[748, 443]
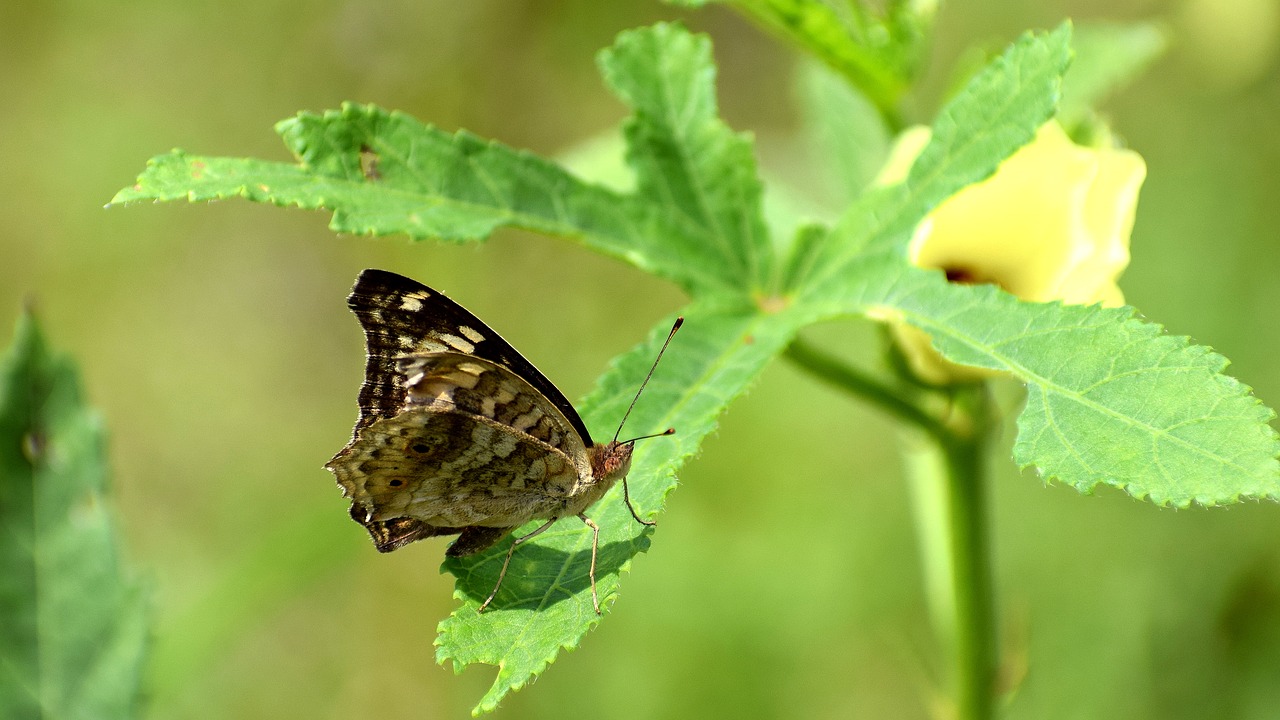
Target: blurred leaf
[878, 55]
[1248, 643]
[849, 138]
[72, 630]
[1107, 57]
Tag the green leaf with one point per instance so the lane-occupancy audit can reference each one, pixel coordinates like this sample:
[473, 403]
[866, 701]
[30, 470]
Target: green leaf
[997, 113]
[688, 163]
[1107, 57]
[74, 629]
[695, 218]
[383, 172]
[1110, 399]
[545, 601]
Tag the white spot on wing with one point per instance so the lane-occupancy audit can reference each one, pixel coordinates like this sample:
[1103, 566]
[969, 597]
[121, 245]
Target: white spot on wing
[457, 343]
[471, 334]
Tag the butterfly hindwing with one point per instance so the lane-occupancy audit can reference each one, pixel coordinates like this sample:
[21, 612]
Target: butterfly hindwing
[475, 444]
[394, 534]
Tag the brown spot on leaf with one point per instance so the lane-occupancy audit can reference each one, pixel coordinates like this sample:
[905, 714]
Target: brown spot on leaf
[369, 163]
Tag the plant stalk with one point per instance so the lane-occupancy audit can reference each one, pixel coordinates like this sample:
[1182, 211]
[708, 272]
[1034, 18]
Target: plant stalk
[948, 471]
[974, 632]
[854, 381]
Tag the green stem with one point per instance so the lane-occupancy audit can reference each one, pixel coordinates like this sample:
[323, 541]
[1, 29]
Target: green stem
[836, 372]
[949, 474]
[973, 639]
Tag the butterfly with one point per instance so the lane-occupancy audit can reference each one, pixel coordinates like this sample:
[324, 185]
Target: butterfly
[458, 434]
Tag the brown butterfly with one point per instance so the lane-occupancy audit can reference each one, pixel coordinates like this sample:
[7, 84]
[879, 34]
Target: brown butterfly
[458, 434]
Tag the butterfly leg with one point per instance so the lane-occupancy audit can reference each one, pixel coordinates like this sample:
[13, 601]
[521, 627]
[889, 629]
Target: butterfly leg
[626, 495]
[503, 573]
[595, 543]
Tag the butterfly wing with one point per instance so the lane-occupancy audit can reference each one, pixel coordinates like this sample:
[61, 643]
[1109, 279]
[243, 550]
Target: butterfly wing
[405, 321]
[474, 445]
[401, 317]
[394, 534]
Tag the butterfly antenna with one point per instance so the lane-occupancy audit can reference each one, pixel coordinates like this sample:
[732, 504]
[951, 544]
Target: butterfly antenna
[679, 321]
[664, 433]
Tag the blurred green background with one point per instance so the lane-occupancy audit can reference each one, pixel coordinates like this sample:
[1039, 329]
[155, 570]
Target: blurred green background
[784, 580]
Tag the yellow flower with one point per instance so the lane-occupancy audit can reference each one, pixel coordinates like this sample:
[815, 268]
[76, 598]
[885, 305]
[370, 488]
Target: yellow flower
[1052, 223]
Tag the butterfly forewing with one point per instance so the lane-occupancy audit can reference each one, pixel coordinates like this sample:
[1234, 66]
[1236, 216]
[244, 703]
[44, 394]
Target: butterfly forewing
[480, 387]
[403, 317]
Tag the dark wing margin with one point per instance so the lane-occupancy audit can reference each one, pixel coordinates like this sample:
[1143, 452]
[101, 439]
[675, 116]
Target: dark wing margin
[389, 535]
[401, 316]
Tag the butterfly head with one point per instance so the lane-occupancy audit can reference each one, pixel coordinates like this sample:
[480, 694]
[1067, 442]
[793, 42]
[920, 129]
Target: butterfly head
[611, 461]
